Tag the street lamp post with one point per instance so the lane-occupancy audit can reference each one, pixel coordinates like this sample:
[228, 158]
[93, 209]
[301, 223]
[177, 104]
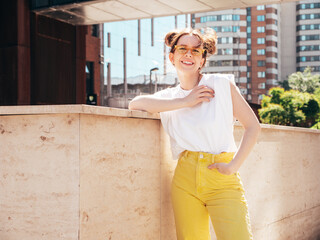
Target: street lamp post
[150, 84]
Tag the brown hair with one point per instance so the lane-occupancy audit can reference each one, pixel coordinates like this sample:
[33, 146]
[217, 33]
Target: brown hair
[208, 38]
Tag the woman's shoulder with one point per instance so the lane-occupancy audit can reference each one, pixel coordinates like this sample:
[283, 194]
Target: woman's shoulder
[222, 79]
[224, 76]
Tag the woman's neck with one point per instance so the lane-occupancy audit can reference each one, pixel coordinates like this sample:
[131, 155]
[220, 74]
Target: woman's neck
[189, 81]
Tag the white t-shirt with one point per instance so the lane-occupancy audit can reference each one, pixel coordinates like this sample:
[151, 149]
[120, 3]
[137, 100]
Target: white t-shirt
[206, 127]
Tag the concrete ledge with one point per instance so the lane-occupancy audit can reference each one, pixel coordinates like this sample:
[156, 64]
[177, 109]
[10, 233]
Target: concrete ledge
[108, 111]
[81, 108]
[82, 172]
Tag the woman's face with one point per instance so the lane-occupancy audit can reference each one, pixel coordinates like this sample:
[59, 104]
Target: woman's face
[187, 62]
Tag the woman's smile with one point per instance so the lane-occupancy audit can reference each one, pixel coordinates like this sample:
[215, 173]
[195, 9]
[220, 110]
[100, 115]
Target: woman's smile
[187, 62]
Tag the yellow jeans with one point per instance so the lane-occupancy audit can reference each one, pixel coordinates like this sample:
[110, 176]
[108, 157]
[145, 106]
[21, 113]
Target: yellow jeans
[199, 192]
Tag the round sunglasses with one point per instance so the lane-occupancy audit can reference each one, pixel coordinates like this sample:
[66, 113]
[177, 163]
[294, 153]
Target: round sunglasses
[184, 49]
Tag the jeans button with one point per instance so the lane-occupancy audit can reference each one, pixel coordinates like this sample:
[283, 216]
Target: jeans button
[201, 155]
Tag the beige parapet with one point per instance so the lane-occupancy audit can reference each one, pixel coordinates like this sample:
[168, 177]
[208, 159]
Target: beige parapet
[96, 173]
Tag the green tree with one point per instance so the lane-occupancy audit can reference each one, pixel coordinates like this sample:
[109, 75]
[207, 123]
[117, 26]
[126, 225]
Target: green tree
[304, 82]
[291, 108]
[317, 93]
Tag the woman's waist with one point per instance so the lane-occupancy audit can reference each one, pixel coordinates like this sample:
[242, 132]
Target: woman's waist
[197, 156]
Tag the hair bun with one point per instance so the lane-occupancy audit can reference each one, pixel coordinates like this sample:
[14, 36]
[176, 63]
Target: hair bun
[209, 40]
[170, 38]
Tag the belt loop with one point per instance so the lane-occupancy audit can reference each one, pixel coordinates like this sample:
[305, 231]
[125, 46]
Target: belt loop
[185, 153]
[212, 158]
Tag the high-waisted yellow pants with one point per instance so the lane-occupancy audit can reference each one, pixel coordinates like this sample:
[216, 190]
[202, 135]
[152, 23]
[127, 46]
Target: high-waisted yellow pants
[199, 192]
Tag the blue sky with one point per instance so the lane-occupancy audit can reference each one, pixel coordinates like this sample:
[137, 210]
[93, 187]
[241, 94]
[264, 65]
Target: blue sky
[151, 56]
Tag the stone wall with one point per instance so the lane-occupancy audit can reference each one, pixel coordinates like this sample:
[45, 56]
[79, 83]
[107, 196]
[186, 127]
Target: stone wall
[84, 172]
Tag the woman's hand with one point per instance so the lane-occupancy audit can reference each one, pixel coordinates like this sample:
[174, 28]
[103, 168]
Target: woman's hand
[224, 168]
[199, 94]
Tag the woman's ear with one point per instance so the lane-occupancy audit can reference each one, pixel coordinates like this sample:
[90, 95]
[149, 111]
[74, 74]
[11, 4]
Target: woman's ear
[171, 58]
[201, 62]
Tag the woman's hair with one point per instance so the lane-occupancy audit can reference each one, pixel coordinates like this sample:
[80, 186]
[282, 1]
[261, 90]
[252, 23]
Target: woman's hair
[208, 39]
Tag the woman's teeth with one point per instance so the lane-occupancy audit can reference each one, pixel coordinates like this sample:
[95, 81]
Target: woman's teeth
[185, 62]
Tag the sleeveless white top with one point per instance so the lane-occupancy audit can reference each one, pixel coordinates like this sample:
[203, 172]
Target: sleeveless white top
[206, 127]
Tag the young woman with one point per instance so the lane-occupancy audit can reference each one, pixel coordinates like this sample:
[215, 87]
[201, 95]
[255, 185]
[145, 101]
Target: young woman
[198, 115]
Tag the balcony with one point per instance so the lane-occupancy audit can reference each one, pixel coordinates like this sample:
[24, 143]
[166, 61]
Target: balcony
[84, 172]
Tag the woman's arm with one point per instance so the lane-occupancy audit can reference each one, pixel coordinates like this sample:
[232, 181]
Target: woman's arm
[153, 104]
[243, 112]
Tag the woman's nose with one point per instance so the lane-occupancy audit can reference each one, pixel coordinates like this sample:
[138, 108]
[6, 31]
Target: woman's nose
[188, 52]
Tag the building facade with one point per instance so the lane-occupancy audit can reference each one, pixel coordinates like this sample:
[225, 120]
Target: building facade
[308, 35]
[247, 47]
[263, 45]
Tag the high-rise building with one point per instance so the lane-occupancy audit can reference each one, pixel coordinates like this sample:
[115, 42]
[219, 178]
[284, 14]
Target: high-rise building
[308, 35]
[262, 45]
[247, 47]
[300, 37]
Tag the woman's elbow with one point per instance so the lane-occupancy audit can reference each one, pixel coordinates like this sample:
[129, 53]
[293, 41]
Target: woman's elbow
[253, 127]
[133, 105]
[138, 103]
[257, 128]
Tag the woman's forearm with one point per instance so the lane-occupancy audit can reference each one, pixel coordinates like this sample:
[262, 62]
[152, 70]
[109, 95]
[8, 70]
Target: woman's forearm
[154, 104]
[247, 143]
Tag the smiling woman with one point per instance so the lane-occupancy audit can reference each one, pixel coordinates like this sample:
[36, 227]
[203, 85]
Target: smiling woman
[198, 115]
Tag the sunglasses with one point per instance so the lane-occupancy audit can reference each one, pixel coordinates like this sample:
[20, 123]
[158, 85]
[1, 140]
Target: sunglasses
[183, 50]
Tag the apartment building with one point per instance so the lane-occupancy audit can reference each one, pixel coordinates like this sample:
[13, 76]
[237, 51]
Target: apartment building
[308, 35]
[247, 47]
[263, 45]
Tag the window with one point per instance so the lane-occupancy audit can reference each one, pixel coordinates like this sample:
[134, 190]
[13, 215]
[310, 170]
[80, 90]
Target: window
[95, 30]
[260, 40]
[226, 17]
[261, 51]
[314, 69]
[308, 37]
[261, 63]
[261, 85]
[236, 29]
[225, 40]
[226, 29]
[248, 29]
[248, 51]
[248, 40]
[308, 59]
[260, 7]
[89, 77]
[248, 18]
[261, 74]
[308, 48]
[260, 29]
[308, 6]
[220, 63]
[236, 40]
[236, 17]
[225, 51]
[260, 18]
[308, 16]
